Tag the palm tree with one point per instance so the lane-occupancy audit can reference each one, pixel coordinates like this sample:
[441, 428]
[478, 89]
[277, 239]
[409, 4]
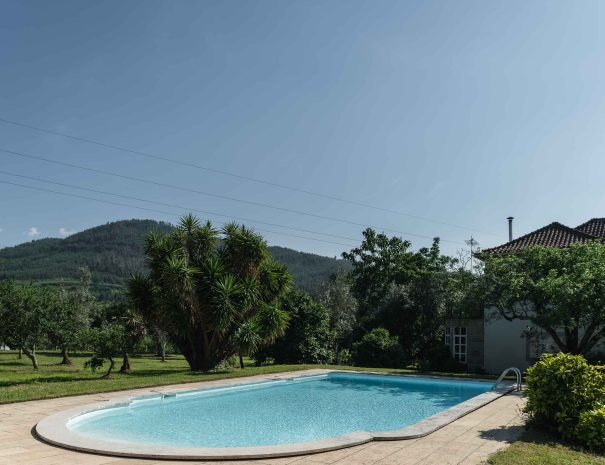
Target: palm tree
[206, 289]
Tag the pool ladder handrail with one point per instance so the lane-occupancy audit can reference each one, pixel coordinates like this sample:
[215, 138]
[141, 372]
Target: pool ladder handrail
[517, 373]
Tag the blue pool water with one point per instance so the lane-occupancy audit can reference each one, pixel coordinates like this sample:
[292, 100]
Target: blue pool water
[278, 412]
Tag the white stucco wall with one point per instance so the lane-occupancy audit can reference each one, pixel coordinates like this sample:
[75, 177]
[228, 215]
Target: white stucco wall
[505, 345]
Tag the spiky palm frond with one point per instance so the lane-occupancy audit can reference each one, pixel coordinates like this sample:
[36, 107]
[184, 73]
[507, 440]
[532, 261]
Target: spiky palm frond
[273, 321]
[140, 293]
[274, 279]
[243, 249]
[188, 223]
[226, 293]
[248, 337]
[178, 274]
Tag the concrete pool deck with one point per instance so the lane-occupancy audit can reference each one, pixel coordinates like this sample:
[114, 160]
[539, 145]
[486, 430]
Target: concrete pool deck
[467, 440]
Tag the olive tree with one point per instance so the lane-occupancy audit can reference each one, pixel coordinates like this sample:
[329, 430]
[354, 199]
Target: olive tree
[205, 288]
[70, 315]
[24, 316]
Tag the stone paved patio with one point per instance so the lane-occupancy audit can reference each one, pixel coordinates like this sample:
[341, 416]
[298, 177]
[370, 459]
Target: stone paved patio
[468, 440]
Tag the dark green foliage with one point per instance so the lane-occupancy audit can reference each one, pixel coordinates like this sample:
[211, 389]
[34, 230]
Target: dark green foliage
[207, 288]
[308, 338]
[559, 389]
[438, 358]
[378, 349]
[112, 252]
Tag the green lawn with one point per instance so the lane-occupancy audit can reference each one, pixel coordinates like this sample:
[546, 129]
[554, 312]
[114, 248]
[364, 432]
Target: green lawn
[536, 448]
[19, 382]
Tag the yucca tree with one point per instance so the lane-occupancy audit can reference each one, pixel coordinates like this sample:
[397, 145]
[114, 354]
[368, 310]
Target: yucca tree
[206, 288]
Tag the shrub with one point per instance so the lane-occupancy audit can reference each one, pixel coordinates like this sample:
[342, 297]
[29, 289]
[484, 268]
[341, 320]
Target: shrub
[343, 357]
[438, 358]
[379, 349]
[591, 428]
[559, 389]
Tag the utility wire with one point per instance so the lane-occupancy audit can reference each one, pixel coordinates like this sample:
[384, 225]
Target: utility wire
[186, 189]
[72, 186]
[238, 176]
[156, 210]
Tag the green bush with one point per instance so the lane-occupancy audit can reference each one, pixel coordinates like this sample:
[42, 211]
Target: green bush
[559, 389]
[439, 358]
[591, 428]
[343, 357]
[379, 349]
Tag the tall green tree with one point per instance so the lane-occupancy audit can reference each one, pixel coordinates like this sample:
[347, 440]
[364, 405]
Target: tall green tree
[70, 315]
[204, 287]
[561, 290]
[24, 316]
[336, 295]
[404, 291]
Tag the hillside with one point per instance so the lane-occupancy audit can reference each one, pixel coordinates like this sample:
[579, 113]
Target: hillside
[114, 250]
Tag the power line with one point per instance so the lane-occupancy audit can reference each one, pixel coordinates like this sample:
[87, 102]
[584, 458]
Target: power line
[157, 211]
[206, 212]
[235, 175]
[195, 191]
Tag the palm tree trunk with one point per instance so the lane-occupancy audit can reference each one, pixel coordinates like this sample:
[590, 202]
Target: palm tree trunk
[20, 354]
[66, 360]
[241, 361]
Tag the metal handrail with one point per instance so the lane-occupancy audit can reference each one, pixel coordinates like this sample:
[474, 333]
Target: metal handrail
[517, 373]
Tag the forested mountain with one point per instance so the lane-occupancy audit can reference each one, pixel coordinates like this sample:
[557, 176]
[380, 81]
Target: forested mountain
[115, 250]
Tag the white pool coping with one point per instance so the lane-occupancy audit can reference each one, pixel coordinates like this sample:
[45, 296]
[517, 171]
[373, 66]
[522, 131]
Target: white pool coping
[54, 429]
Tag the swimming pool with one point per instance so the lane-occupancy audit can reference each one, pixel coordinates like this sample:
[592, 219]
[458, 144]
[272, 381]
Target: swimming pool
[274, 415]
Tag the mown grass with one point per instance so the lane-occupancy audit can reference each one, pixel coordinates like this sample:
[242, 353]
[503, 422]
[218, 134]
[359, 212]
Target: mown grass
[536, 448]
[19, 382]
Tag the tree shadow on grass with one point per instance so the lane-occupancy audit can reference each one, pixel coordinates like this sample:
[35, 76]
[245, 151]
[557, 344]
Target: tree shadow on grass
[16, 363]
[43, 380]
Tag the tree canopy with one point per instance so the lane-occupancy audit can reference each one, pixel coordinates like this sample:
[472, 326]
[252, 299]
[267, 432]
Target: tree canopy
[561, 290]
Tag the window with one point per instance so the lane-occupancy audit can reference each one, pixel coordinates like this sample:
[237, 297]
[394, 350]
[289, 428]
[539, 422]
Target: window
[460, 344]
[448, 336]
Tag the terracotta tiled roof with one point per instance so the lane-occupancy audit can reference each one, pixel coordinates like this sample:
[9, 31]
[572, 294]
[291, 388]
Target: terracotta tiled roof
[594, 227]
[553, 235]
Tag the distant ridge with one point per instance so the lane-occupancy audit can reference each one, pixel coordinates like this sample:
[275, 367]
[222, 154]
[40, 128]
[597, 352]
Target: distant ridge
[115, 250]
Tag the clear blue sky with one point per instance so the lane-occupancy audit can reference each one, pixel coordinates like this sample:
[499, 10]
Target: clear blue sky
[463, 112]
